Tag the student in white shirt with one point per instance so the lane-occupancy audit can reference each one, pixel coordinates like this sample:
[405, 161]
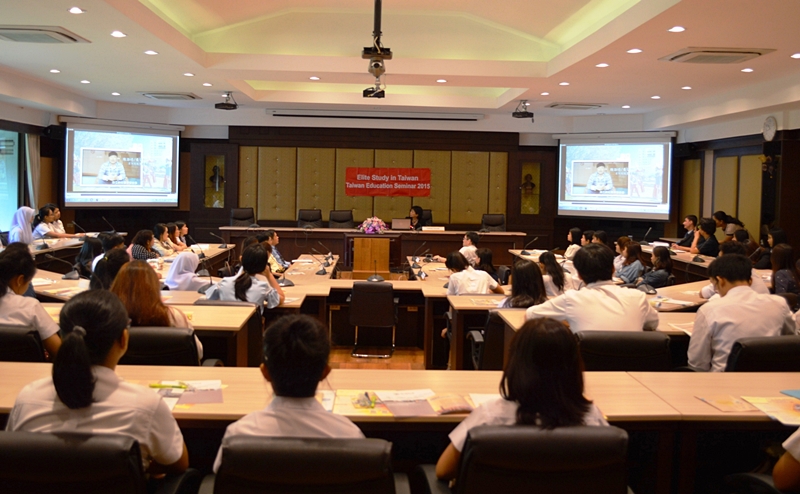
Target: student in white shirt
[756, 283]
[109, 241]
[44, 225]
[786, 474]
[527, 287]
[296, 350]
[465, 280]
[17, 269]
[161, 243]
[245, 286]
[542, 385]
[20, 229]
[574, 238]
[600, 305]
[83, 394]
[469, 248]
[739, 313]
[107, 268]
[620, 245]
[556, 281]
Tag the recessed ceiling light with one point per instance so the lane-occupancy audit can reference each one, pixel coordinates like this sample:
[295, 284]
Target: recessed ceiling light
[602, 65]
[563, 83]
[85, 82]
[676, 29]
[441, 81]
[527, 104]
[76, 10]
[655, 97]
[796, 55]
[545, 93]
[314, 78]
[686, 88]
[188, 74]
[115, 93]
[748, 70]
[207, 84]
[55, 71]
[634, 50]
[118, 34]
[626, 106]
[151, 52]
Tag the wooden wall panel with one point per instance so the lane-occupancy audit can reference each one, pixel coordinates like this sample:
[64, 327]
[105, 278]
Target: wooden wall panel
[248, 177]
[277, 183]
[316, 179]
[498, 182]
[749, 206]
[692, 179]
[353, 158]
[387, 208]
[439, 200]
[726, 186]
[469, 191]
[184, 181]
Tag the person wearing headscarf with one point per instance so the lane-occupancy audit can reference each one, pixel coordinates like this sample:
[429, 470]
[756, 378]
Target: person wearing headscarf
[182, 276]
[20, 230]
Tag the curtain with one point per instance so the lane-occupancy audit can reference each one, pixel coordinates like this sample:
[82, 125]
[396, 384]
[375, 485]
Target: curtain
[33, 167]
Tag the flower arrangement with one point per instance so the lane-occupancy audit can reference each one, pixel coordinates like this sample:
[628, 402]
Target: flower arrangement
[372, 225]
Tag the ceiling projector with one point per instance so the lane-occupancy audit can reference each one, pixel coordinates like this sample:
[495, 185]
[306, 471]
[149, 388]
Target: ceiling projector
[521, 111]
[228, 104]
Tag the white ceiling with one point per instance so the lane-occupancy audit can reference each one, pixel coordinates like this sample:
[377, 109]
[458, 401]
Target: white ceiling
[492, 54]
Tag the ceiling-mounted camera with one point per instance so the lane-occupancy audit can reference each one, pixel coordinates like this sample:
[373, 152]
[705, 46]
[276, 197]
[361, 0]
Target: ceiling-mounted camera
[376, 54]
[376, 67]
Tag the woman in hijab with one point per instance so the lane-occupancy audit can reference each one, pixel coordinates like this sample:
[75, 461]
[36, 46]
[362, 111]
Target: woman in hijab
[20, 230]
[182, 276]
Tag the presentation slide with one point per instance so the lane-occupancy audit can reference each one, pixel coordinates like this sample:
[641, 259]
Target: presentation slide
[120, 167]
[625, 180]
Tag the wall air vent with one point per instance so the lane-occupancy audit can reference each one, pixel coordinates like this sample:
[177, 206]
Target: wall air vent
[171, 96]
[39, 34]
[695, 54]
[576, 106]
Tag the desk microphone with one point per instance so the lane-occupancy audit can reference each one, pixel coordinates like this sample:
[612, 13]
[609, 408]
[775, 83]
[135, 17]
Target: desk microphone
[322, 271]
[376, 276]
[283, 281]
[223, 245]
[422, 274]
[324, 258]
[202, 254]
[329, 257]
[73, 274]
[43, 246]
[113, 230]
[78, 227]
[205, 272]
[525, 252]
[644, 240]
[414, 257]
[698, 259]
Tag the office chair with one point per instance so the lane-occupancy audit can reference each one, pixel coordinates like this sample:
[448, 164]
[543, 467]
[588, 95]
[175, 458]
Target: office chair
[646, 351]
[242, 216]
[309, 217]
[487, 347]
[750, 483]
[529, 459]
[252, 464]
[153, 345]
[427, 217]
[341, 218]
[372, 304]
[765, 354]
[20, 344]
[503, 273]
[493, 222]
[80, 463]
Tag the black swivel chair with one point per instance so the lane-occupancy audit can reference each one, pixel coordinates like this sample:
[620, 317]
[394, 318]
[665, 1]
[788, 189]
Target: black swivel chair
[493, 223]
[298, 465]
[529, 459]
[372, 304]
[242, 216]
[645, 351]
[341, 218]
[20, 344]
[427, 217]
[503, 273]
[309, 217]
[750, 483]
[152, 345]
[71, 463]
[765, 354]
[4, 238]
[487, 347]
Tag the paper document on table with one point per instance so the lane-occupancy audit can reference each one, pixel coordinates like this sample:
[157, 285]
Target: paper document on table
[405, 395]
[288, 301]
[783, 409]
[693, 293]
[209, 384]
[674, 301]
[302, 261]
[66, 292]
[485, 302]
[353, 402]
[446, 403]
[795, 393]
[686, 327]
[293, 273]
[479, 399]
[728, 403]
[408, 402]
[326, 397]
[41, 281]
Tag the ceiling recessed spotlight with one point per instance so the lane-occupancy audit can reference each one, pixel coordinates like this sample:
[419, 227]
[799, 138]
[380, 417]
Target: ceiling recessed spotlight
[748, 70]
[188, 74]
[207, 84]
[76, 10]
[626, 106]
[602, 65]
[85, 82]
[314, 78]
[563, 83]
[118, 34]
[676, 29]
[115, 93]
[441, 81]
[545, 93]
[55, 71]
[655, 97]
[796, 55]
[151, 52]
[527, 104]
[634, 50]
[686, 88]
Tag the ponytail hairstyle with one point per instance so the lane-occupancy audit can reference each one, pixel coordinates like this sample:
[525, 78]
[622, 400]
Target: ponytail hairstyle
[15, 260]
[254, 261]
[485, 261]
[551, 267]
[91, 322]
[723, 217]
[40, 216]
[90, 249]
[107, 268]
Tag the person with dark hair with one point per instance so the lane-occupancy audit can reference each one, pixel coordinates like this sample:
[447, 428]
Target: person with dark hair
[106, 269]
[600, 237]
[469, 247]
[485, 259]
[276, 261]
[588, 235]
[743, 237]
[757, 284]
[633, 265]
[774, 237]
[465, 280]
[619, 247]
[415, 215]
[728, 224]
[173, 242]
[556, 281]
[183, 233]
[84, 394]
[109, 241]
[690, 224]
[527, 287]
[90, 249]
[245, 286]
[785, 278]
[740, 312]
[48, 224]
[705, 243]
[161, 242]
[112, 171]
[542, 385]
[17, 269]
[601, 305]
[600, 180]
[662, 268]
[142, 246]
[295, 359]
[574, 237]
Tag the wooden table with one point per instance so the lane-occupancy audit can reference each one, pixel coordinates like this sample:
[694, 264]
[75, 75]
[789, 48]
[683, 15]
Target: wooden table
[689, 292]
[462, 307]
[684, 267]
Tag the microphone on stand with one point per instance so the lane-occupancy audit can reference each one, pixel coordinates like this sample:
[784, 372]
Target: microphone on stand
[284, 282]
[376, 276]
[205, 272]
[73, 274]
[79, 227]
[322, 270]
[202, 254]
[644, 240]
[414, 257]
[324, 258]
[113, 230]
[524, 251]
[43, 246]
[329, 257]
[223, 245]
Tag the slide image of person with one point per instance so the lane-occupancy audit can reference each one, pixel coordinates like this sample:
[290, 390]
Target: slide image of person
[600, 180]
[112, 171]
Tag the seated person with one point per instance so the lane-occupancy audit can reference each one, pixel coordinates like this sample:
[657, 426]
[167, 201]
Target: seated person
[109, 241]
[600, 305]
[727, 223]
[415, 215]
[141, 247]
[183, 233]
[763, 258]
[786, 474]
[107, 269]
[740, 312]
[633, 265]
[601, 237]
[20, 229]
[245, 286]
[542, 385]
[161, 242]
[45, 226]
[296, 350]
[182, 275]
[90, 250]
[485, 263]
[556, 281]
[84, 394]
[705, 243]
[465, 280]
[619, 247]
[527, 287]
[599, 181]
[709, 291]
[750, 245]
[784, 275]
[469, 247]
[173, 241]
[574, 237]
[276, 261]
[690, 224]
[662, 268]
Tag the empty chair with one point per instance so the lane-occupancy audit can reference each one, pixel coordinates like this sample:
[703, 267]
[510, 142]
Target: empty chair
[256, 465]
[528, 459]
[493, 222]
[242, 216]
[503, 273]
[79, 463]
[20, 344]
[309, 217]
[162, 346]
[372, 304]
[765, 354]
[341, 218]
[427, 217]
[488, 346]
[624, 350]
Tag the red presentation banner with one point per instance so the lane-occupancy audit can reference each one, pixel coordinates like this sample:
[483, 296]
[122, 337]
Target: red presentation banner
[414, 182]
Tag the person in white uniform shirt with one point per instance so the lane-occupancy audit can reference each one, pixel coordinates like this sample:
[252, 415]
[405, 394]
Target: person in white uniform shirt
[296, 350]
[84, 394]
[465, 280]
[601, 305]
[786, 474]
[245, 286]
[556, 281]
[542, 385]
[739, 313]
[469, 249]
[710, 291]
[17, 269]
[109, 241]
[45, 225]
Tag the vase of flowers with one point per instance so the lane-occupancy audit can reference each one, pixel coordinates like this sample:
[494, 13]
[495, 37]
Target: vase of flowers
[372, 225]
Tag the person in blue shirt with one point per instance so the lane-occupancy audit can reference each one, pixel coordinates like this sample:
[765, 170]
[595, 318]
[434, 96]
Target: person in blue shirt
[600, 180]
[707, 244]
[633, 266]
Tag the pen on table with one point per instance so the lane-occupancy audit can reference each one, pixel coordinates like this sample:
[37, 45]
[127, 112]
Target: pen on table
[371, 400]
[169, 386]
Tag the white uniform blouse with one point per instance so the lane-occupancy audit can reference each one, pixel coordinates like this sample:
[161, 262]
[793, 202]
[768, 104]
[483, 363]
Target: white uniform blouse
[470, 281]
[16, 310]
[259, 293]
